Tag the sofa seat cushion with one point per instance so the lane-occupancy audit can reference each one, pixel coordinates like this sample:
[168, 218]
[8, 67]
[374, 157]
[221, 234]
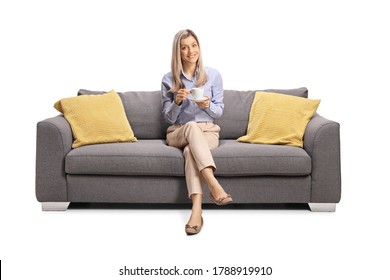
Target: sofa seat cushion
[242, 159]
[145, 157]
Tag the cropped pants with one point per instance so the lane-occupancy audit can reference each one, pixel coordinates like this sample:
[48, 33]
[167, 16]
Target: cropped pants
[197, 139]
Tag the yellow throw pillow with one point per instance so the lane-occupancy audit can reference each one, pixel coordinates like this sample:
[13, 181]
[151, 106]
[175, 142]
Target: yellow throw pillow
[96, 119]
[279, 119]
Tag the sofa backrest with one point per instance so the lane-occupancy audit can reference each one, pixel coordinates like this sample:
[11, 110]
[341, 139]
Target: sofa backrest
[144, 111]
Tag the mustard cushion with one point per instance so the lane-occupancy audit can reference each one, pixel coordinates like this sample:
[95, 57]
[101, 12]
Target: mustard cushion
[279, 119]
[96, 119]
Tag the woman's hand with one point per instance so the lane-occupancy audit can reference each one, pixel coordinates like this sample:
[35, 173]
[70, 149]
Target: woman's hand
[205, 103]
[181, 95]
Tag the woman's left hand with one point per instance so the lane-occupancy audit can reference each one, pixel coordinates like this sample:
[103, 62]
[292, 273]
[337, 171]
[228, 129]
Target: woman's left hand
[205, 103]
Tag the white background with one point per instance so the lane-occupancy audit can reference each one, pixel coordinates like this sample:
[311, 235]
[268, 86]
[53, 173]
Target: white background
[339, 50]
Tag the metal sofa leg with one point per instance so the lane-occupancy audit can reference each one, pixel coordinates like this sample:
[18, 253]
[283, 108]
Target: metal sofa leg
[322, 207]
[55, 206]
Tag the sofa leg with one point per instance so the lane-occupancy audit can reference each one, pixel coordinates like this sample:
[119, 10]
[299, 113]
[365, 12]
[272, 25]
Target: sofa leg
[55, 206]
[322, 207]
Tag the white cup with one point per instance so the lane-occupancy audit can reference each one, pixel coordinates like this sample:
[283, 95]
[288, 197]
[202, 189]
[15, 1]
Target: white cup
[197, 93]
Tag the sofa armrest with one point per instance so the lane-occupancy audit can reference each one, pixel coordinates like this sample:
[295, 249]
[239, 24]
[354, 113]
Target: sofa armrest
[322, 143]
[54, 141]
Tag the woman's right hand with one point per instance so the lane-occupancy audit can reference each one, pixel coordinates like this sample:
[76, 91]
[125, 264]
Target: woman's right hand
[181, 95]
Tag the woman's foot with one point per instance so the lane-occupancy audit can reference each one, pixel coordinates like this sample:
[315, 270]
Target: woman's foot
[217, 193]
[195, 222]
[193, 227]
[222, 200]
[219, 196]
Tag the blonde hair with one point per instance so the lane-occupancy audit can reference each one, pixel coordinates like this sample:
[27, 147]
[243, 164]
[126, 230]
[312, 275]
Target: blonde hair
[177, 65]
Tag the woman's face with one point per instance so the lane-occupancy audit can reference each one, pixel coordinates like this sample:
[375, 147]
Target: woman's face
[189, 50]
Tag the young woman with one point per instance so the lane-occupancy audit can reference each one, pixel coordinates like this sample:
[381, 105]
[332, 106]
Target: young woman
[192, 128]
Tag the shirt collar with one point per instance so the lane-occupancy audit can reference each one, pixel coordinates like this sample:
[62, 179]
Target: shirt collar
[194, 77]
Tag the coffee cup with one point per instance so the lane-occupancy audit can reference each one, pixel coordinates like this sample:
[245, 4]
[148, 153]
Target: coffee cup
[197, 93]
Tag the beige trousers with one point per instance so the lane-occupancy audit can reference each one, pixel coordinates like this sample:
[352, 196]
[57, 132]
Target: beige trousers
[196, 140]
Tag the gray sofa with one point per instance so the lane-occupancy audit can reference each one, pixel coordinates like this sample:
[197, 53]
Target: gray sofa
[149, 171]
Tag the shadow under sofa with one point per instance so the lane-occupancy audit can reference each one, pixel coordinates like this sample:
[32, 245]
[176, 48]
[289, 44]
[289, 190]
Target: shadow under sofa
[149, 171]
